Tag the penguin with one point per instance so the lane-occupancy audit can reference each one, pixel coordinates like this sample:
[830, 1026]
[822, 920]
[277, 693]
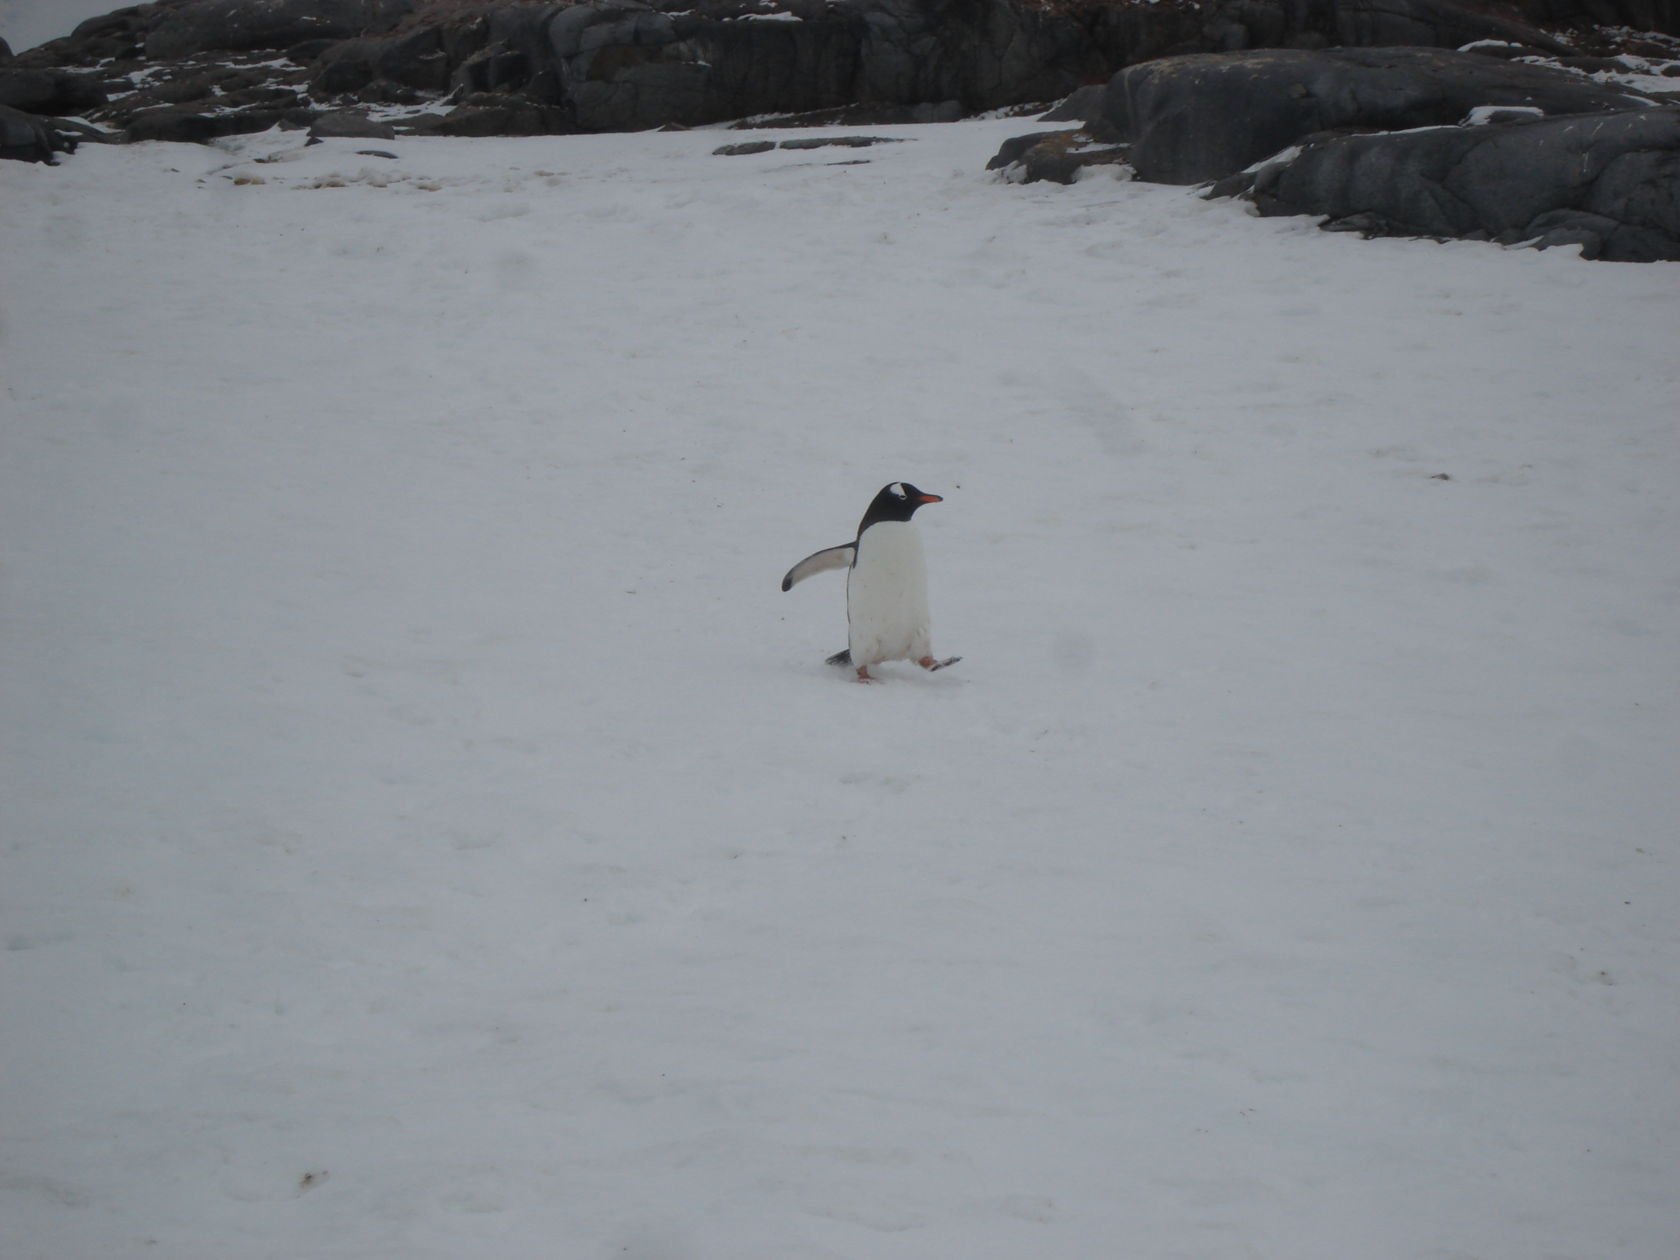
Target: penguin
[886, 584]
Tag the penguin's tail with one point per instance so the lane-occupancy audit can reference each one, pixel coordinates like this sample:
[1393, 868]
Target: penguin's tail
[842, 657]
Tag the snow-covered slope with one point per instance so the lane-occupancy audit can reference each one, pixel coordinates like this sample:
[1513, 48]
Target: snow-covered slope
[429, 832]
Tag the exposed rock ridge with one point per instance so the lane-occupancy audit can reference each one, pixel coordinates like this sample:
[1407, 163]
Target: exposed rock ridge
[1392, 141]
[195, 69]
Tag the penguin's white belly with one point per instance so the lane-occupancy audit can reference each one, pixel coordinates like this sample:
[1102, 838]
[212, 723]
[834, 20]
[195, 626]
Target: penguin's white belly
[886, 596]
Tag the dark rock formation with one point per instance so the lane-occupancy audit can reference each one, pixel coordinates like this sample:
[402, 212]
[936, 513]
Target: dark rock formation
[843, 142]
[861, 116]
[185, 124]
[238, 25]
[489, 115]
[1609, 183]
[179, 68]
[1057, 156]
[1085, 105]
[1396, 141]
[414, 59]
[745, 149]
[815, 142]
[1204, 116]
[348, 123]
[29, 138]
[49, 91]
[1636, 15]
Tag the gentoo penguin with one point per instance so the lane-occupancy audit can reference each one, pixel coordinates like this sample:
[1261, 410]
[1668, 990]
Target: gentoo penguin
[886, 584]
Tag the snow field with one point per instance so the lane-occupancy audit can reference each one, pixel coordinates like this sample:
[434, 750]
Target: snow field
[430, 832]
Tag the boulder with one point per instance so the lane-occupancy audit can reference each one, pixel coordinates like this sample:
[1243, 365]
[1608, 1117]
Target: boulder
[1085, 105]
[1636, 15]
[841, 142]
[1238, 25]
[119, 35]
[814, 142]
[31, 138]
[413, 59]
[184, 124]
[348, 123]
[200, 25]
[745, 149]
[861, 116]
[1609, 183]
[984, 53]
[49, 91]
[1205, 116]
[622, 65]
[1058, 156]
[607, 65]
[1427, 23]
[490, 116]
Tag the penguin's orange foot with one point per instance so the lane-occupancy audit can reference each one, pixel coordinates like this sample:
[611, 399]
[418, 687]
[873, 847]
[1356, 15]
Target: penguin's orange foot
[927, 662]
[863, 674]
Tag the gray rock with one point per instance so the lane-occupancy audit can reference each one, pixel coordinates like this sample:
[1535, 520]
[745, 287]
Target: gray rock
[348, 123]
[862, 116]
[1427, 23]
[489, 116]
[1057, 156]
[1085, 105]
[745, 149]
[49, 91]
[844, 142]
[748, 147]
[184, 124]
[414, 59]
[198, 25]
[1610, 183]
[119, 35]
[1204, 116]
[603, 65]
[31, 138]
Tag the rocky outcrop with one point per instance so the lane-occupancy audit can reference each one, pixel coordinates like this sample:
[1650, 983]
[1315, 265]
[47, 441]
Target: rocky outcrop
[604, 65]
[818, 142]
[1609, 183]
[1205, 116]
[1392, 141]
[198, 26]
[1057, 156]
[28, 138]
[1314, 24]
[196, 69]
[49, 91]
[1633, 15]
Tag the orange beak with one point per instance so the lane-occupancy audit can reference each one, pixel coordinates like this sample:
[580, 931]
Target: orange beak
[930, 498]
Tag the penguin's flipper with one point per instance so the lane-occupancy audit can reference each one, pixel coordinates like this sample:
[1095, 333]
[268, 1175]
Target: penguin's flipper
[831, 558]
[842, 657]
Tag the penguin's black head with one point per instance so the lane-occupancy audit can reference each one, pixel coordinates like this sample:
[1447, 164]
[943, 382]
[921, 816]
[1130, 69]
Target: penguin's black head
[897, 502]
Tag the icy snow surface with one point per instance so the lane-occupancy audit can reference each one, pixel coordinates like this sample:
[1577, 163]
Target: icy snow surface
[430, 833]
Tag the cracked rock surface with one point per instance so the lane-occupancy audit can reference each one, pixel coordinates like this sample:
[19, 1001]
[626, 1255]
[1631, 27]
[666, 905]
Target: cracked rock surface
[1400, 141]
[1607, 183]
[197, 69]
